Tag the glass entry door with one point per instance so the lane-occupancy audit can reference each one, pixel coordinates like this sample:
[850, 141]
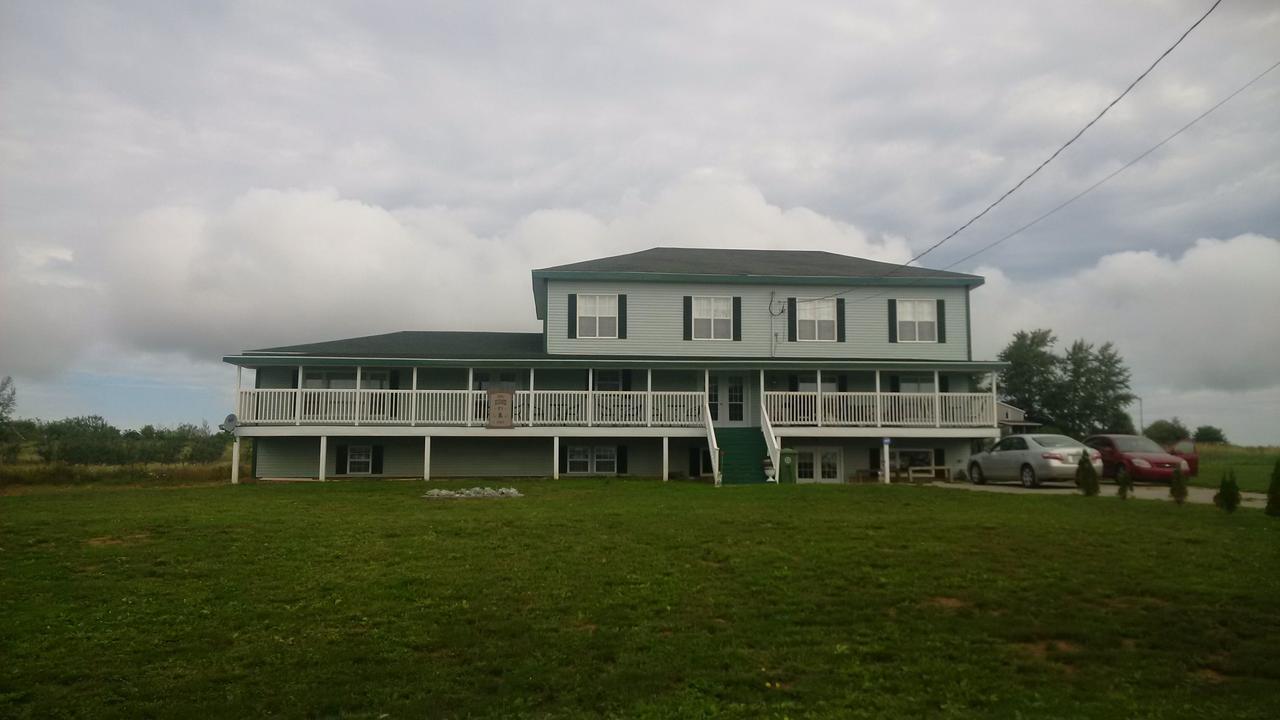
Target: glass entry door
[818, 465]
[728, 400]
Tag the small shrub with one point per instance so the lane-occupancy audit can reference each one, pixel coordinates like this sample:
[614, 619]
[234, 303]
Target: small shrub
[1086, 476]
[1228, 495]
[1124, 484]
[1273, 492]
[962, 476]
[1178, 486]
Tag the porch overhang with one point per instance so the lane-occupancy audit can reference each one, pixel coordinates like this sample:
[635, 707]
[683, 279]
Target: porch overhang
[964, 433]
[635, 362]
[445, 431]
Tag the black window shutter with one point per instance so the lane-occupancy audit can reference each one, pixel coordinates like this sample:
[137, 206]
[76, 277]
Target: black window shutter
[895, 384]
[893, 320]
[793, 383]
[839, 319]
[377, 460]
[942, 320]
[622, 317]
[253, 458]
[939, 457]
[842, 383]
[564, 458]
[622, 459]
[573, 315]
[340, 460]
[873, 458]
[688, 317]
[626, 379]
[791, 319]
[944, 383]
[737, 318]
[695, 462]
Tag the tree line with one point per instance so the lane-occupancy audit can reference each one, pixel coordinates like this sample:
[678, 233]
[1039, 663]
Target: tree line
[91, 440]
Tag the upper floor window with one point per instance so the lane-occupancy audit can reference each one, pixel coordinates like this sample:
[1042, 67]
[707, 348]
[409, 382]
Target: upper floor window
[917, 321]
[816, 319]
[713, 318]
[597, 316]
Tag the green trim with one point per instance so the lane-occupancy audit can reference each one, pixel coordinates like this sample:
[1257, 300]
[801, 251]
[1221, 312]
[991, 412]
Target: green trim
[540, 278]
[968, 327]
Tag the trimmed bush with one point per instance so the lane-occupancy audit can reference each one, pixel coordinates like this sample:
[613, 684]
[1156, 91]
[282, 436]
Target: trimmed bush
[1273, 492]
[1086, 476]
[960, 476]
[1228, 495]
[1124, 484]
[1178, 486]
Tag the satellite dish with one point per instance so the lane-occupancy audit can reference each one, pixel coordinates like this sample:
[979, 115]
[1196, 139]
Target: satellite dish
[230, 424]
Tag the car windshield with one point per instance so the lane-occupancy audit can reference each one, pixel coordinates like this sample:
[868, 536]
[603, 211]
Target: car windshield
[1055, 441]
[1137, 444]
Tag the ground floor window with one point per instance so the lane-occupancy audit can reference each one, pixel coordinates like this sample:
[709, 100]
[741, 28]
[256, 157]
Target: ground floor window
[359, 460]
[820, 464]
[593, 459]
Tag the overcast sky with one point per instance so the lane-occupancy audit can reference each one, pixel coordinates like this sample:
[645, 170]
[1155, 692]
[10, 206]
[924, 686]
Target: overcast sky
[180, 181]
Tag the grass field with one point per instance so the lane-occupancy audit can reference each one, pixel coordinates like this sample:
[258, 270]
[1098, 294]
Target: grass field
[1253, 465]
[632, 599]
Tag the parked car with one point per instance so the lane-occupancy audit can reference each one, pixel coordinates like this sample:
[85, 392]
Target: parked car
[1030, 459]
[1186, 449]
[1136, 456]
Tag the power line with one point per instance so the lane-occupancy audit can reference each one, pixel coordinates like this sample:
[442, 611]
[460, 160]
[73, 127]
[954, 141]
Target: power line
[1106, 178]
[1055, 153]
[1118, 170]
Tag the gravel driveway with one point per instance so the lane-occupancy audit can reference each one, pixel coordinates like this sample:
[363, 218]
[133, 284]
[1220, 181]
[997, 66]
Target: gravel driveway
[1143, 492]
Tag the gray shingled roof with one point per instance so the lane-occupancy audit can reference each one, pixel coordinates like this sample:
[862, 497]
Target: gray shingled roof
[442, 345]
[772, 263]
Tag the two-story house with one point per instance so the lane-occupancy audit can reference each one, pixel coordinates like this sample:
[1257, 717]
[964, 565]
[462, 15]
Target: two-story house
[665, 363]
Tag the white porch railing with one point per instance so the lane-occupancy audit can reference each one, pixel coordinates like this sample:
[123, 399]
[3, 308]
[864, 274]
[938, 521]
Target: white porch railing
[574, 408]
[859, 409]
[770, 440]
[711, 441]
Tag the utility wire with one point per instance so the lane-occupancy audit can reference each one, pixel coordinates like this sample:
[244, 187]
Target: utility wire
[1055, 153]
[1106, 178]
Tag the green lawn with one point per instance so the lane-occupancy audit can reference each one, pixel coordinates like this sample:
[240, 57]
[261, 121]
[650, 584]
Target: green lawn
[1253, 465]
[632, 599]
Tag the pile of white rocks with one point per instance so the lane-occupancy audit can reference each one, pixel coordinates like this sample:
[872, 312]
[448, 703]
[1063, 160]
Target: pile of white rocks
[475, 492]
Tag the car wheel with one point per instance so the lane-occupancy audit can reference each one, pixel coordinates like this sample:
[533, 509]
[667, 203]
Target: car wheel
[1028, 476]
[975, 475]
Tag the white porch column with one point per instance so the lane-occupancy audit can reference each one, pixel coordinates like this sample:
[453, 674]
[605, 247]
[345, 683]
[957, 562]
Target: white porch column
[937, 401]
[995, 400]
[591, 396]
[555, 457]
[413, 398]
[532, 397]
[426, 458]
[297, 408]
[879, 414]
[470, 402]
[820, 413]
[359, 398]
[648, 398]
[324, 456]
[235, 461]
[666, 459]
[884, 462]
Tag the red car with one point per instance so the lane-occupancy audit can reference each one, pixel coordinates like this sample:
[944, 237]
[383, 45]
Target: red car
[1136, 456]
[1186, 450]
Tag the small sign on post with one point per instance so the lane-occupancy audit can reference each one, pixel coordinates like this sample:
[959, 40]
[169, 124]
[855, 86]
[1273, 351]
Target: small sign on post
[501, 409]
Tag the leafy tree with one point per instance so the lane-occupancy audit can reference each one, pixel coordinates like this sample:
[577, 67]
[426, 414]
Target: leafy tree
[1273, 492]
[1209, 434]
[1032, 371]
[8, 399]
[1178, 486]
[1167, 432]
[1228, 495]
[1086, 476]
[1084, 391]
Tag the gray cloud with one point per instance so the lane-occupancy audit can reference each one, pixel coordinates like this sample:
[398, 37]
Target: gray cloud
[191, 180]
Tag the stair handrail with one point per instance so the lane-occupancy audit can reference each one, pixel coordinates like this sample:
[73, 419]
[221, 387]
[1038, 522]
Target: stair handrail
[711, 440]
[770, 440]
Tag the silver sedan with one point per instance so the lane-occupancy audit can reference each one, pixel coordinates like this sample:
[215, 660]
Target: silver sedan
[1030, 459]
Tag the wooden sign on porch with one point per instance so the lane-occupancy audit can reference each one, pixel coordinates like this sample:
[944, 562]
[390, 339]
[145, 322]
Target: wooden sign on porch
[502, 405]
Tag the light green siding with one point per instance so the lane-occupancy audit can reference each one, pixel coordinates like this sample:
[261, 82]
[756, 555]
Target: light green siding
[655, 313]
